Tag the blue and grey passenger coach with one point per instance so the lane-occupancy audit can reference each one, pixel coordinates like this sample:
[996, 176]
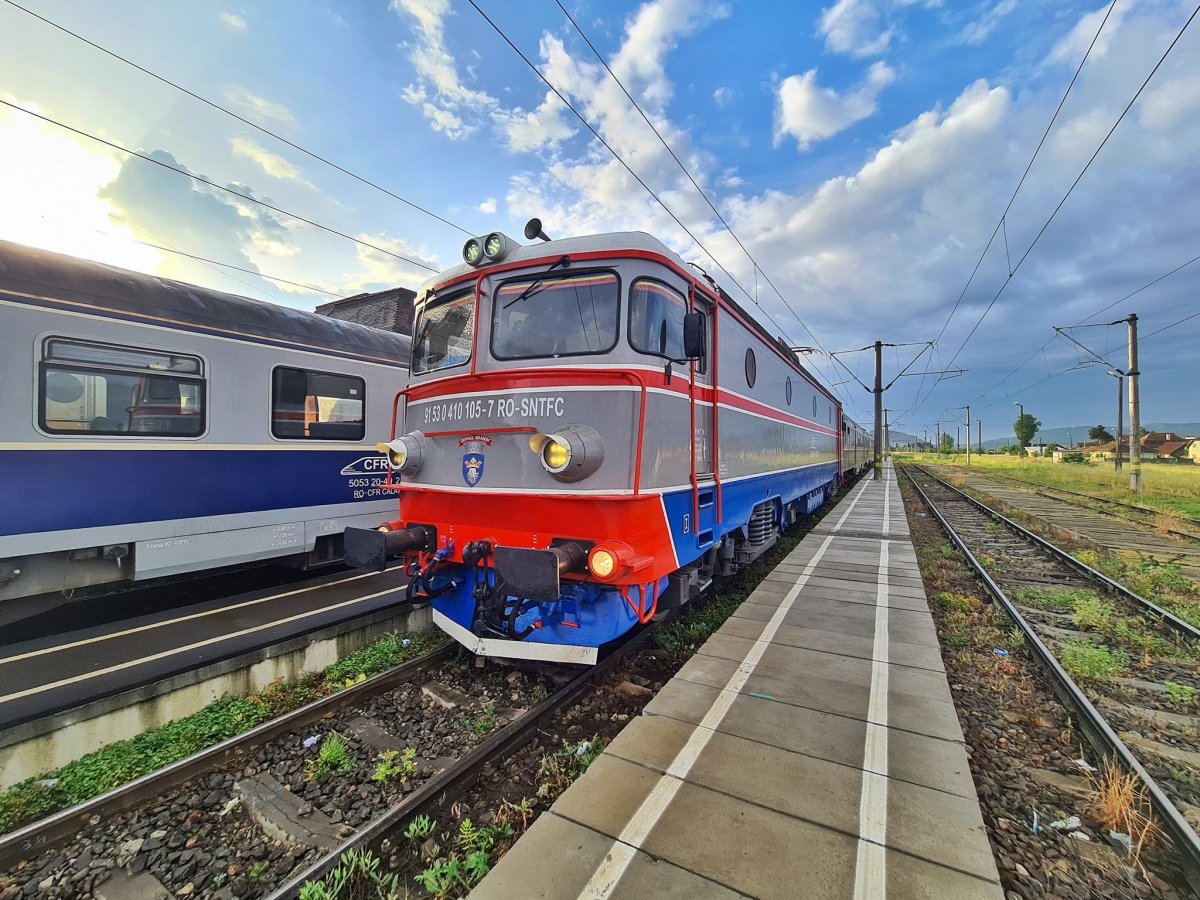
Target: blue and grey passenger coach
[152, 427]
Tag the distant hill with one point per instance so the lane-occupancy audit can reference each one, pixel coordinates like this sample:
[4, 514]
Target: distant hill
[1076, 434]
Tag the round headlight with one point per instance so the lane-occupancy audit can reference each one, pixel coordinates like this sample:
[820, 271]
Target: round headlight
[602, 563]
[405, 453]
[493, 246]
[555, 456]
[472, 252]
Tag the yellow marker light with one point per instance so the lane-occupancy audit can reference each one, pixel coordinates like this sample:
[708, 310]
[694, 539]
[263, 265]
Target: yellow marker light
[602, 563]
[556, 455]
[396, 453]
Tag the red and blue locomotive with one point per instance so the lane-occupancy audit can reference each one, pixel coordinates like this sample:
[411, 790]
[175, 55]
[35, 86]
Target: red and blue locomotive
[592, 433]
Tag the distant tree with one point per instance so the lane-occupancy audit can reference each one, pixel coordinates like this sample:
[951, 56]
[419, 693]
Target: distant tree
[1099, 434]
[1050, 448]
[1025, 428]
[1142, 432]
[947, 444]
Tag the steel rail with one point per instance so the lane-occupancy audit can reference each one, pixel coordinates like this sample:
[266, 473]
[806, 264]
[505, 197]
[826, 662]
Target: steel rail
[445, 787]
[1099, 733]
[1046, 489]
[1067, 559]
[54, 830]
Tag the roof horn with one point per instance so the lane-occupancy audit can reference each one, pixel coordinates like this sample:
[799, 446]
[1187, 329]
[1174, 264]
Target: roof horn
[533, 229]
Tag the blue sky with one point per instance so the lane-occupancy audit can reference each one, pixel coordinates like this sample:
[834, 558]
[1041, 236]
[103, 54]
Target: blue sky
[861, 150]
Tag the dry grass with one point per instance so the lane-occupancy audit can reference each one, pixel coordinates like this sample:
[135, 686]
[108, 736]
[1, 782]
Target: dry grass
[1120, 804]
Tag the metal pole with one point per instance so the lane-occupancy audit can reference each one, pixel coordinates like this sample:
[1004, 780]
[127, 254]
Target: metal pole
[1135, 412]
[1120, 420]
[878, 410]
[979, 430]
[938, 438]
[887, 434]
[968, 435]
[957, 438]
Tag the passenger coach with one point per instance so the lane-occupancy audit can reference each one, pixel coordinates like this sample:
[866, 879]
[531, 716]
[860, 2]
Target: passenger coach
[592, 433]
[152, 427]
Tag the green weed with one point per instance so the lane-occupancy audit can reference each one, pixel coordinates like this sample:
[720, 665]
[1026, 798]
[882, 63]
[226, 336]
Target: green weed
[359, 875]
[1092, 613]
[420, 828]
[1179, 693]
[333, 757]
[387, 769]
[961, 602]
[1091, 662]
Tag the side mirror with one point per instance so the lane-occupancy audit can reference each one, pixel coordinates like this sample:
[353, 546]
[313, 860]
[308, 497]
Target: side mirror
[693, 335]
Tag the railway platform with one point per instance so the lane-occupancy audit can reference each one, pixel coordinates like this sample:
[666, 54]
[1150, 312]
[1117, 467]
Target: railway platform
[810, 749]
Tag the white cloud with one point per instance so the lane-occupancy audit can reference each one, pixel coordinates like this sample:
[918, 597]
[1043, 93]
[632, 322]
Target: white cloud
[271, 163]
[1069, 51]
[810, 113]
[234, 22]
[380, 270]
[723, 96]
[488, 206]
[978, 31]
[450, 106]
[853, 27]
[259, 106]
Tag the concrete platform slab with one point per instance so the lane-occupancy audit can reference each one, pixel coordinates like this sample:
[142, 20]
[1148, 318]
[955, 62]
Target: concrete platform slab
[809, 749]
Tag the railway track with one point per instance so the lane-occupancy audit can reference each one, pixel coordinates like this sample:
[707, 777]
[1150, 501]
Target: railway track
[128, 808]
[1115, 659]
[1183, 527]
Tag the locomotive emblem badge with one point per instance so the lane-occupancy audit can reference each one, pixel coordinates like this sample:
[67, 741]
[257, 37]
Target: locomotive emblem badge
[473, 460]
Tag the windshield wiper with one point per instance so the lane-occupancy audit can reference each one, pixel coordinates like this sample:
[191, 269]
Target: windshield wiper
[564, 261]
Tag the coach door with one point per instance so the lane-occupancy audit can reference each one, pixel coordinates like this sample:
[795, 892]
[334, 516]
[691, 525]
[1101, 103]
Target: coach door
[703, 411]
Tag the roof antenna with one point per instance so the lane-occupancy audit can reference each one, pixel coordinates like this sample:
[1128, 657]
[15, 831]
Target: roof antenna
[533, 229]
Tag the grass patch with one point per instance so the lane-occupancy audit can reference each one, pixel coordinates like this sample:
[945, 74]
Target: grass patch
[1092, 613]
[1053, 599]
[119, 763]
[1091, 662]
[961, 602]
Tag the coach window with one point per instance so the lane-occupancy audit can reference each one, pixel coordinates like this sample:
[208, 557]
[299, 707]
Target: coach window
[444, 333]
[751, 367]
[316, 406]
[94, 388]
[555, 315]
[787, 390]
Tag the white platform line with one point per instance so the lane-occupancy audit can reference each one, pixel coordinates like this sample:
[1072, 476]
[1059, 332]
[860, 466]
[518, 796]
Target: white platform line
[57, 648]
[129, 664]
[870, 870]
[604, 880]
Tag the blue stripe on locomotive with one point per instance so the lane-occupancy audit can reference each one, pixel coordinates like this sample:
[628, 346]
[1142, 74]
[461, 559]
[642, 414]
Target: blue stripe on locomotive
[600, 614]
[59, 490]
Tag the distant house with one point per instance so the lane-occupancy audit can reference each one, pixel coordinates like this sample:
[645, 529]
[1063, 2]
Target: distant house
[390, 310]
[1157, 446]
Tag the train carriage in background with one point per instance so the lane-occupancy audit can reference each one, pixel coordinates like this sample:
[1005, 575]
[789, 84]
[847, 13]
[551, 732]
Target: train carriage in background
[592, 432]
[152, 427]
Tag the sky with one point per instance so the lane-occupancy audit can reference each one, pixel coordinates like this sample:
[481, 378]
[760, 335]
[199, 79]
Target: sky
[843, 169]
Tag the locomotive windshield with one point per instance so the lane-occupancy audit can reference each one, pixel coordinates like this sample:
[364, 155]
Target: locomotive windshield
[444, 332]
[555, 316]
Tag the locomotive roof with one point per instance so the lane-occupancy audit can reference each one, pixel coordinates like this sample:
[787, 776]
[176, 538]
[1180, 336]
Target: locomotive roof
[40, 272]
[619, 241]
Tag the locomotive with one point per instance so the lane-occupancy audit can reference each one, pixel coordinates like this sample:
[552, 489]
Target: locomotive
[592, 432]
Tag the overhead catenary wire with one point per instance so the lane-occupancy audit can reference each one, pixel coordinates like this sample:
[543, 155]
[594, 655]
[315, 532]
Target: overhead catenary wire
[1070, 190]
[214, 105]
[758, 269]
[641, 181]
[1081, 323]
[212, 184]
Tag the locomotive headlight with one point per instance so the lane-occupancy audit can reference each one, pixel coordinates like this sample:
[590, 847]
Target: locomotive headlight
[405, 453]
[555, 456]
[472, 252]
[569, 454]
[494, 246]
